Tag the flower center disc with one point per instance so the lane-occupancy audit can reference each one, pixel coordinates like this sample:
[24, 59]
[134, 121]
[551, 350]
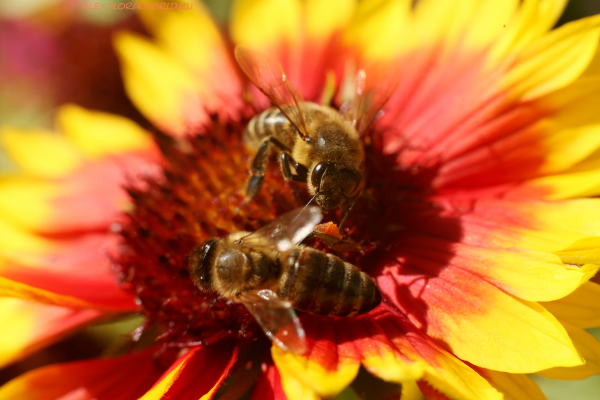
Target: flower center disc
[203, 184]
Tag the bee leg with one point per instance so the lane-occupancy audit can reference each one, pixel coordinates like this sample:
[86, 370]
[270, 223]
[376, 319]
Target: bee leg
[301, 174]
[347, 212]
[330, 241]
[259, 165]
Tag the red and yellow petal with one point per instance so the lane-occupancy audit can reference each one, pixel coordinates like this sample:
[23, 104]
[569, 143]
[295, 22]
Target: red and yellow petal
[162, 89]
[73, 210]
[581, 181]
[197, 374]
[193, 38]
[477, 320]
[187, 74]
[71, 273]
[31, 326]
[83, 191]
[528, 274]
[494, 126]
[268, 384]
[326, 370]
[11, 288]
[121, 378]
[90, 197]
[387, 345]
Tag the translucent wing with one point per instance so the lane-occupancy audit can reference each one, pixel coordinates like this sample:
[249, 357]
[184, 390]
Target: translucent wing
[286, 231]
[277, 319]
[372, 90]
[269, 77]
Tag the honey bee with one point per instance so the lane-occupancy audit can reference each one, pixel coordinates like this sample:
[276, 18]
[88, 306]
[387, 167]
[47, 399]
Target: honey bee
[315, 144]
[269, 273]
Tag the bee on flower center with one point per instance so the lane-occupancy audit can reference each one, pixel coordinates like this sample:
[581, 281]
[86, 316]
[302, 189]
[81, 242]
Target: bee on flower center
[272, 275]
[315, 144]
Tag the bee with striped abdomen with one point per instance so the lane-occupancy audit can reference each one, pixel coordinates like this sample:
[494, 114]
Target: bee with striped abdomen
[272, 275]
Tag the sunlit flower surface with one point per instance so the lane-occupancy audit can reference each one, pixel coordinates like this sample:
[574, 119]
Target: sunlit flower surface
[477, 220]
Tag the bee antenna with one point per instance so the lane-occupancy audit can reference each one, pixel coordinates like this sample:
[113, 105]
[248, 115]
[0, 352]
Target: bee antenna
[311, 200]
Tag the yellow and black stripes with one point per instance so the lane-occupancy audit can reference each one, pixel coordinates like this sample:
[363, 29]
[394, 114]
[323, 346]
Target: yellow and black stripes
[324, 284]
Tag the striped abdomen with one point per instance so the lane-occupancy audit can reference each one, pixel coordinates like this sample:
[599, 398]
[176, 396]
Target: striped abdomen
[321, 283]
[270, 122]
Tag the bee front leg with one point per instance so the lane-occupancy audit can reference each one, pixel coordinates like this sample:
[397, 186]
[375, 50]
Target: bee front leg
[286, 160]
[347, 212]
[259, 165]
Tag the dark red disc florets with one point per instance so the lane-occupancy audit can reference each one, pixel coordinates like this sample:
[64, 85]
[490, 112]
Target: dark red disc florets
[203, 184]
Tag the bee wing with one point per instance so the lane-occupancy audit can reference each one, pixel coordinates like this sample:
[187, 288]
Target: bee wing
[372, 90]
[269, 77]
[277, 319]
[286, 231]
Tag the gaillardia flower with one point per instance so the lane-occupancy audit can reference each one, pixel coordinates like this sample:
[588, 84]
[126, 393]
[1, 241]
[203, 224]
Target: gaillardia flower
[476, 220]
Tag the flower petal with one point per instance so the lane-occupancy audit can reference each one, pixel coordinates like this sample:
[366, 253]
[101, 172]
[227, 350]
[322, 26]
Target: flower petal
[538, 225]
[162, 89]
[97, 134]
[268, 385]
[326, 369]
[389, 347]
[573, 105]
[513, 386]
[528, 274]
[443, 370]
[489, 22]
[589, 347]
[34, 326]
[534, 19]
[50, 271]
[411, 391]
[324, 18]
[26, 202]
[580, 309]
[40, 153]
[440, 21]
[11, 288]
[90, 198]
[198, 374]
[582, 181]
[555, 60]
[193, 38]
[475, 319]
[264, 24]
[376, 25]
[121, 378]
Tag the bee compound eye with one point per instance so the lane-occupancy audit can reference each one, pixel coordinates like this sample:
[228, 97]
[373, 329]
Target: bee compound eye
[317, 173]
[200, 264]
[351, 179]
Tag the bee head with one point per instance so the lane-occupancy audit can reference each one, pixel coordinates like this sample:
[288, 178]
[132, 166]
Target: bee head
[333, 183]
[201, 261]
